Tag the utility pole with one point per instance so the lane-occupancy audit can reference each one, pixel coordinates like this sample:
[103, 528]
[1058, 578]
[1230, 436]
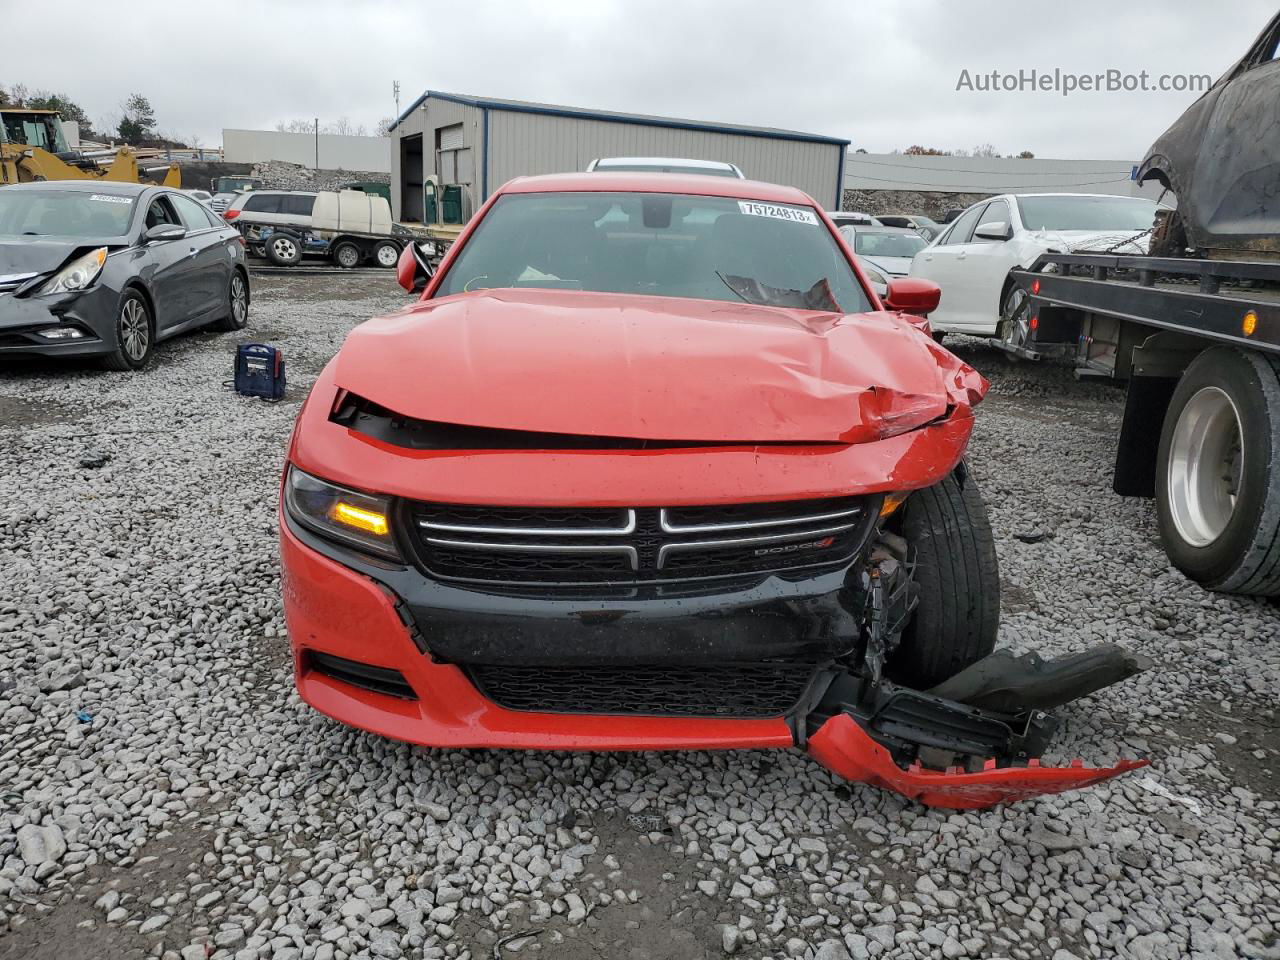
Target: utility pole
[317, 143]
[395, 92]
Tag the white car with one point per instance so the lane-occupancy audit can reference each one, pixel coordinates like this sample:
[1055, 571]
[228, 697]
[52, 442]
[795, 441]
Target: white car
[712, 168]
[887, 250]
[972, 258]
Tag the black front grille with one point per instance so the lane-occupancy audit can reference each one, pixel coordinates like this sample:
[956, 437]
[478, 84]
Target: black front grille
[589, 545]
[736, 690]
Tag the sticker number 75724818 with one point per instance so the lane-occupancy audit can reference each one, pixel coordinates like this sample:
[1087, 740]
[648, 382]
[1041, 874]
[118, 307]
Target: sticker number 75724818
[793, 214]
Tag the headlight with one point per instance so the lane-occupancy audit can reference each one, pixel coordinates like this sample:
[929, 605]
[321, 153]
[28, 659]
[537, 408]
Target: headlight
[77, 274]
[357, 519]
[874, 275]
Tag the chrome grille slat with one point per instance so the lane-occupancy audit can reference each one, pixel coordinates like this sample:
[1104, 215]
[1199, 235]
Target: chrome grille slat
[724, 544]
[618, 550]
[577, 546]
[628, 527]
[669, 527]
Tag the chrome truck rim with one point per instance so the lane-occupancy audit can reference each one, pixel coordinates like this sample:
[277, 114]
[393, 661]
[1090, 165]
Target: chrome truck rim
[1206, 458]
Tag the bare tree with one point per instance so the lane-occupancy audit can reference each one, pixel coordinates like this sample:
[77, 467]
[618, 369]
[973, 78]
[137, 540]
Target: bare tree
[296, 126]
[384, 126]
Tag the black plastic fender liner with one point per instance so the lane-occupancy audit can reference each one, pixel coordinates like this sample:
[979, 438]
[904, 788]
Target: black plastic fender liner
[1013, 683]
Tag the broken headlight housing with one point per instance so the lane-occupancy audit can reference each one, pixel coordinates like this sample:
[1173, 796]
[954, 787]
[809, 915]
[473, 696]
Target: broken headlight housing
[358, 520]
[77, 274]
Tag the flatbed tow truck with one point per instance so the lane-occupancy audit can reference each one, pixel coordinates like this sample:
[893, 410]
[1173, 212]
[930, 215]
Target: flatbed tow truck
[1197, 343]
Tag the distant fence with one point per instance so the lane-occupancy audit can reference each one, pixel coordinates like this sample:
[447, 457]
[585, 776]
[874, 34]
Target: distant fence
[152, 154]
[335, 152]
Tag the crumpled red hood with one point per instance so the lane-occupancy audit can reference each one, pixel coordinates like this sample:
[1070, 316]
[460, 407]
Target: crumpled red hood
[654, 368]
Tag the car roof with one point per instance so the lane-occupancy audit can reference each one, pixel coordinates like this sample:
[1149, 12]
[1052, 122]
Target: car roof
[669, 162]
[873, 228]
[111, 187]
[1095, 196]
[645, 182]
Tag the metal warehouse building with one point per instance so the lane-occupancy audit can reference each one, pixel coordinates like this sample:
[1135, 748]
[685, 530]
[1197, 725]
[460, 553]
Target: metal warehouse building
[479, 143]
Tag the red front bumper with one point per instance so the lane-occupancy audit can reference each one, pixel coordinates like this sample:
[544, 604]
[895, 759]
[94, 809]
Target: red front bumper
[332, 609]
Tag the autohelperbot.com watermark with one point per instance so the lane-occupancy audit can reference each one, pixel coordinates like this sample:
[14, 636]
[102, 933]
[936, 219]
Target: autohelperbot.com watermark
[1065, 82]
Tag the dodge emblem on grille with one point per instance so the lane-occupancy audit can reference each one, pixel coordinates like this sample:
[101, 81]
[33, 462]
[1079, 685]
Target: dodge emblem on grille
[793, 547]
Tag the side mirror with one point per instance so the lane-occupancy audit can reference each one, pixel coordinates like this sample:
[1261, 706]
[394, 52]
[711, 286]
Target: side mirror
[414, 268]
[995, 230]
[913, 295]
[164, 231]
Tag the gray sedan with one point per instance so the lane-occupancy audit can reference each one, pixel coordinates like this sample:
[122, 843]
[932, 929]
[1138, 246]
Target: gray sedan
[89, 268]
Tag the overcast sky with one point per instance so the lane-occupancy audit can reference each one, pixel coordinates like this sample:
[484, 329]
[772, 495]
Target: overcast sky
[881, 73]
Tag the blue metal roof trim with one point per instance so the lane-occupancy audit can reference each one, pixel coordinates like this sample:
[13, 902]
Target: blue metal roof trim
[583, 114]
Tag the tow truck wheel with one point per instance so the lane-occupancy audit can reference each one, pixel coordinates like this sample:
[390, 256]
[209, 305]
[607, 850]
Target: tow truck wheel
[955, 622]
[1218, 473]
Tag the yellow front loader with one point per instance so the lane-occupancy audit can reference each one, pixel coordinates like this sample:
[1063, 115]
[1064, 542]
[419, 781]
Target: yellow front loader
[32, 148]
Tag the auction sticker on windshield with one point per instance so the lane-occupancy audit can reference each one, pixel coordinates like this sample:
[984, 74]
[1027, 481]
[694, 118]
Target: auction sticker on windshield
[794, 214]
[104, 198]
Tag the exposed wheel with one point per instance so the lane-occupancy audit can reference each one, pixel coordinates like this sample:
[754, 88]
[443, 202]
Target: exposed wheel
[955, 622]
[283, 250]
[237, 304]
[1218, 473]
[386, 254]
[1169, 235]
[1015, 327]
[135, 334]
[347, 254]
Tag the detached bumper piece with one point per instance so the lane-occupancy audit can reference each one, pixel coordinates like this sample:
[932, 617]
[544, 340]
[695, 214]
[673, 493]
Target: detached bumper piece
[973, 741]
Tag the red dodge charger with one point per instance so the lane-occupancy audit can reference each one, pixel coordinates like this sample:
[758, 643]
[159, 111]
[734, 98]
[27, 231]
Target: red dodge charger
[649, 466]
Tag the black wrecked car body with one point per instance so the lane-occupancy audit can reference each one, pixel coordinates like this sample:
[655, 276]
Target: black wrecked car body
[1222, 161]
[185, 278]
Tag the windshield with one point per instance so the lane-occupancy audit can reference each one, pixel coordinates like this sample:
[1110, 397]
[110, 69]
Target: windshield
[232, 184]
[664, 245]
[63, 213]
[1087, 213]
[887, 244]
[35, 130]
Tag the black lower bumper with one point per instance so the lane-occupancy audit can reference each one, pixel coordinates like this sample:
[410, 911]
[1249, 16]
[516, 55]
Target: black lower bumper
[800, 618]
[24, 321]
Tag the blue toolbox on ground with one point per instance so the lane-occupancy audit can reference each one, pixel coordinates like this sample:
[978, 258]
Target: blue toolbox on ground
[259, 371]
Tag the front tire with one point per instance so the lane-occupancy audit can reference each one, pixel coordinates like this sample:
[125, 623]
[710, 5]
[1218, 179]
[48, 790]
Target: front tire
[134, 334]
[1015, 328]
[1218, 473]
[958, 614]
[237, 304]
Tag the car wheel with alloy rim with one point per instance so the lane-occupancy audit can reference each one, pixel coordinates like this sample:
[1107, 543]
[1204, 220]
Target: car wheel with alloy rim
[237, 303]
[134, 334]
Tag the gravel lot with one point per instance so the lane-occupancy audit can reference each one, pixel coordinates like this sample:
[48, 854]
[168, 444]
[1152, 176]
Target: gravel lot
[163, 791]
